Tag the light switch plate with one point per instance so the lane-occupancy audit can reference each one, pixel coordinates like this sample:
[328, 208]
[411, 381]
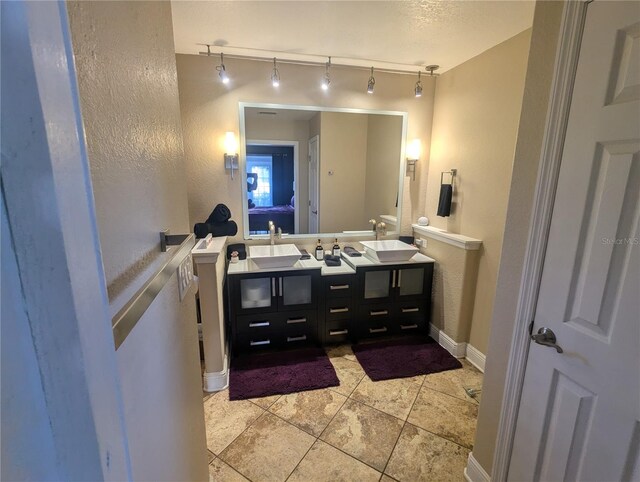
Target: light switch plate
[185, 276]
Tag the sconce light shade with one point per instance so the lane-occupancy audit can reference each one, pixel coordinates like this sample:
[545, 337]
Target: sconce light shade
[230, 152]
[413, 156]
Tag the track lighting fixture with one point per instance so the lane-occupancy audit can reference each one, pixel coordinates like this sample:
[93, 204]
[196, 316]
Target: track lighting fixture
[371, 83]
[418, 88]
[275, 75]
[326, 80]
[222, 71]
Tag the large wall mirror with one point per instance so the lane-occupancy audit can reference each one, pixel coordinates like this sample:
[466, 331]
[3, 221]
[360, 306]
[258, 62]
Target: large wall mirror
[320, 171]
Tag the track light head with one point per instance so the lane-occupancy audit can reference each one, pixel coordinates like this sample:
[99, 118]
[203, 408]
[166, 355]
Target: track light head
[371, 83]
[275, 75]
[418, 88]
[222, 71]
[326, 79]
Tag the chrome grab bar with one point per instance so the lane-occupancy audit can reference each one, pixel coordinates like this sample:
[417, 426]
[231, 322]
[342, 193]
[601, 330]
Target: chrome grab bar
[126, 319]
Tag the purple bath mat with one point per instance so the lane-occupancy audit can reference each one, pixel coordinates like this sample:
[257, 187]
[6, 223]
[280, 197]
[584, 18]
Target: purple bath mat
[279, 373]
[406, 357]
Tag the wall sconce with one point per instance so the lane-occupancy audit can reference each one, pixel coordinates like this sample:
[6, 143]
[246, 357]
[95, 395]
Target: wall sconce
[413, 156]
[230, 152]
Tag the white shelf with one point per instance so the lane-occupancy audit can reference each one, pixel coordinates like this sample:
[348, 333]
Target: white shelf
[458, 240]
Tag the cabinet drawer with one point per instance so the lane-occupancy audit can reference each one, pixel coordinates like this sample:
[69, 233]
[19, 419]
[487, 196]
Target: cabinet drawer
[336, 331]
[409, 324]
[300, 328]
[368, 313]
[298, 320]
[411, 309]
[338, 286]
[257, 342]
[258, 324]
[338, 309]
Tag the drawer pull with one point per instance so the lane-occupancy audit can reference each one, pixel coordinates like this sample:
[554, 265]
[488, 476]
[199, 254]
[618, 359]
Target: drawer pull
[258, 343]
[296, 338]
[338, 332]
[410, 310]
[378, 330]
[338, 287]
[338, 310]
[379, 313]
[259, 324]
[292, 321]
[408, 327]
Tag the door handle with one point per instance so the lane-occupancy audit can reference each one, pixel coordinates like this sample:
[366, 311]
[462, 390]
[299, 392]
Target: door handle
[546, 337]
[393, 282]
[314, 212]
[281, 294]
[273, 287]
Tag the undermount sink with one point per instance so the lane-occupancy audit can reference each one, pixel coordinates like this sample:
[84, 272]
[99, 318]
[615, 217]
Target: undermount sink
[389, 250]
[274, 256]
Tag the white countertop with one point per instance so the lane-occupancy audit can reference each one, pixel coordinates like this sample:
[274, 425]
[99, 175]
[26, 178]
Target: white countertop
[245, 266]
[363, 260]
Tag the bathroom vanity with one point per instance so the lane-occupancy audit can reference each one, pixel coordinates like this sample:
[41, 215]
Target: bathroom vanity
[311, 303]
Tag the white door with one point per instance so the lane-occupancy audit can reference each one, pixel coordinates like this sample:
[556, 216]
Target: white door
[579, 416]
[314, 156]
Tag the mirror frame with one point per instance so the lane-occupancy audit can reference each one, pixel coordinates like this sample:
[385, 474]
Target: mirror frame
[243, 167]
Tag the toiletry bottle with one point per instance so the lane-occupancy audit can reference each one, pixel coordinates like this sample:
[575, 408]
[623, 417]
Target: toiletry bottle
[319, 252]
[336, 249]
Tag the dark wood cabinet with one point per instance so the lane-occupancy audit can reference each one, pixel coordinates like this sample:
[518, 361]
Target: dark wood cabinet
[336, 311]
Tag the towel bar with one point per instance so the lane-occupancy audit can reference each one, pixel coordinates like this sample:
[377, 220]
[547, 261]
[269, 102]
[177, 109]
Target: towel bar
[452, 172]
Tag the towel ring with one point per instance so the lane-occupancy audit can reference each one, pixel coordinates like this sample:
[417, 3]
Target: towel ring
[452, 172]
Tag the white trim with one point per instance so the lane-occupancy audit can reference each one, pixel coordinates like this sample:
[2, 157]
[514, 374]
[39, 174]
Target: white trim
[457, 349]
[474, 471]
[458, 240]
[216, 381]
[475, 357]
[551, 153]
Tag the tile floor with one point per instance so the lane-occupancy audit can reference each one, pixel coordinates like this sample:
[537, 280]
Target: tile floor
[409, 429]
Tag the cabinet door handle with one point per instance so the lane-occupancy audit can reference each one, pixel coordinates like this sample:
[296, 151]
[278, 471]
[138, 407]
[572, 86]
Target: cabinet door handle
[338, 287]
[280, 287]
[259, 324]
[378, 330]
[408, 327]
[399, 277]
[379, 313]
[410, 310]
[273, 287]
[338, 310]
[393, 282]
[292, 321]
[338, 332]
[258, 343]
[296, 338]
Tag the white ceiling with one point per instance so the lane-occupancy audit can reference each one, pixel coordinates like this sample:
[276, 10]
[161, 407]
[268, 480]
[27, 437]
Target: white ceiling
[385, 34]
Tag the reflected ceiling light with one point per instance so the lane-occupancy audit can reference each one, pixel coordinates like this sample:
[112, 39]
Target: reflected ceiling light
[371, 83]
[222, 71]
[275, 75]
[418, 88]
[326, 79]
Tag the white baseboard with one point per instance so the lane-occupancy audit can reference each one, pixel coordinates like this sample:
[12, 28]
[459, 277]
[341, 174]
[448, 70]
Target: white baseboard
[216, 381]
[474, 471]
[457, 349]
[475, 357]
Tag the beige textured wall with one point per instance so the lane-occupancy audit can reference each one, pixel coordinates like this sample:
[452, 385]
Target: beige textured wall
[209, 109]
[544, 38]
[129, 99]
[383, 147]
[477, 108]
[342, 173]
[289, 130]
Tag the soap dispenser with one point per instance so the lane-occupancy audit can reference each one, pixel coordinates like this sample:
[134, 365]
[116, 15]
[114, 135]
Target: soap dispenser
[336, 249]
[319, 251]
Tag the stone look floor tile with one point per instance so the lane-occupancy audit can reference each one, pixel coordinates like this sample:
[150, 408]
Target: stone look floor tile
[311, 411]
[221, 472]
[210, 456]
[349, 373]
[453, 382]
[225, 420]
[444, 415]
[265, 402]
[324, 463]
[268, 450]
[420, 455]
[386, 478]
[343, 351]
[364, 432]
[394, 397]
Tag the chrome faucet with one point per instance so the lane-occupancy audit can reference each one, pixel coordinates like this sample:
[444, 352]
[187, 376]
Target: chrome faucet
[381, 230]
[272, 233]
